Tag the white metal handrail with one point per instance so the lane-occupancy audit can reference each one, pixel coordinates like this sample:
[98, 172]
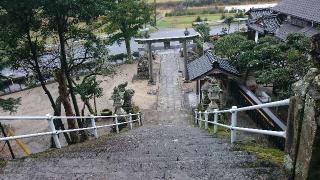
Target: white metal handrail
[233, 127]
[55, 132]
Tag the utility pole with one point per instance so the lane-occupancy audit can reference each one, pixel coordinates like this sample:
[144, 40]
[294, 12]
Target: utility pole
[9, 146]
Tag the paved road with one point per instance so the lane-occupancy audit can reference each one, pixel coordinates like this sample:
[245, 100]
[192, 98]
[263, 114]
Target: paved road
[167, 146]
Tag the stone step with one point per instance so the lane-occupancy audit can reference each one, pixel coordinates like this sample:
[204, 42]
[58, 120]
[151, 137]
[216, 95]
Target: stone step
[218, 173]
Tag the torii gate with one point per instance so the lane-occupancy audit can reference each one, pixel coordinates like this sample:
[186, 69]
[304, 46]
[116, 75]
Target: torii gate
[166, 41]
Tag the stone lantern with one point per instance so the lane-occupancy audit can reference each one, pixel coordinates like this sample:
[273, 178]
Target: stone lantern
[214, 94]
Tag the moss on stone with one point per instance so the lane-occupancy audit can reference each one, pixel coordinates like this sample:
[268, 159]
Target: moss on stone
[3, 163]
[222, 132]
[263, 152]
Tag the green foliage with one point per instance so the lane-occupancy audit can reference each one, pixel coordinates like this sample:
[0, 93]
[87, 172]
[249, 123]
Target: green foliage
[265, 153]
[283, 63]
[273, 61]
[3, 163]
[106, 112]
[230, 46]
[89, 88]
[135, 109]
[198, 19]
[124, 18]
[239, 15]
[184, 12]
[228, 20]
[204, 30]
[10, 104]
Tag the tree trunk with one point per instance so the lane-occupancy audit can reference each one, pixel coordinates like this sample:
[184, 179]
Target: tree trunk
[56, 106]
[128, 47]
[38, 71]
[87, 103]
[65, 70]
[246, 75]
[63, 92]
[95, 105]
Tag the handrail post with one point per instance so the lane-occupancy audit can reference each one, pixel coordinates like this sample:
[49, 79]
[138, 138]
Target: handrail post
[93, 124]
[233, 124]
[206, 119]
[200, 119]
[215, 127]
[116, 121]
[130, 120]
[53, 130]
[195, 116]
[139, 119]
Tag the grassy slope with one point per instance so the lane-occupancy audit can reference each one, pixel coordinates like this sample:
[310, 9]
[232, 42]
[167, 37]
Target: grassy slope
[186, 21]
[263, 152]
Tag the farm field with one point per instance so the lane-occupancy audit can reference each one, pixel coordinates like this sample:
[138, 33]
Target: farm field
[186, 21]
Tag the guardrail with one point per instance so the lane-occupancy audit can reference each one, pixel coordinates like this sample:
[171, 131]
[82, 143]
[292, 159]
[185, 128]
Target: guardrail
[233, 127]
[55, 133]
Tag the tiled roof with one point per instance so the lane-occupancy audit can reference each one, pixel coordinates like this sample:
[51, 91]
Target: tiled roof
[306, 9]
[263, 20]
[285, 29]
[309, 31]
[268, 24]
[207, 63]
[256, 13]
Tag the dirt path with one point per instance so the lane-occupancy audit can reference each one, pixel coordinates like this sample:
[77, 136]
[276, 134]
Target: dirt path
[167, 146]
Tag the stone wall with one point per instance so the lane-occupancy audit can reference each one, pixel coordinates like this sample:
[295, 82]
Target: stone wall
[303, 129]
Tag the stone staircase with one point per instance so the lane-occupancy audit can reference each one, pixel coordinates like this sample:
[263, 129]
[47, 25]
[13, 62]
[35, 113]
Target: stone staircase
[168, 146]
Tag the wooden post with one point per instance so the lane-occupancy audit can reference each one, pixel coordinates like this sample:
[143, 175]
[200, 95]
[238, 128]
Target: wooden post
[185, 55]
[150, 63]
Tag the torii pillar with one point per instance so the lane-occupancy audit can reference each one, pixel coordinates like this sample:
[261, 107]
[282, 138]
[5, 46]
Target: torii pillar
[185, 57]
[151, 81]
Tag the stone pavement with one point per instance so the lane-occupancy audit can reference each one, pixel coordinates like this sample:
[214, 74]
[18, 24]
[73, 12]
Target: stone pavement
[170, 95]
[167, 146]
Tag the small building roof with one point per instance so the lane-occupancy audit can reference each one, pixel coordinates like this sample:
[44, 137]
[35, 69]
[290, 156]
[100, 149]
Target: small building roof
[256, 13]
[305, 9]
[263, 20]
[265, 24]
[286, 28]
[207, 63]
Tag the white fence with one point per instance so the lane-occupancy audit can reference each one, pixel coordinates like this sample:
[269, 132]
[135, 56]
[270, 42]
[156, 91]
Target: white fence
[55, 133]
[233, 127]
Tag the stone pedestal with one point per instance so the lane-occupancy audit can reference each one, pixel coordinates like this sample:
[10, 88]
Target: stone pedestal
[303, 129]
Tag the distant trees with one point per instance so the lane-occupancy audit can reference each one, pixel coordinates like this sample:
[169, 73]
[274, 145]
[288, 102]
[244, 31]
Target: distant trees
[272, 61]
[228, 21]
[124, 18]
[204, 30]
